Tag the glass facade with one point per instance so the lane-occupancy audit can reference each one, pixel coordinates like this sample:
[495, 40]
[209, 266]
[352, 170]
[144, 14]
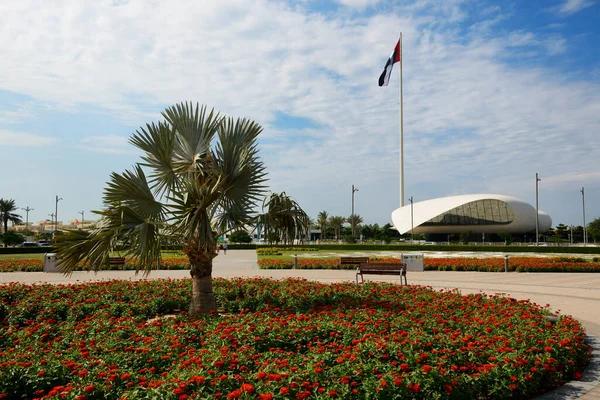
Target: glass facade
[480, 212]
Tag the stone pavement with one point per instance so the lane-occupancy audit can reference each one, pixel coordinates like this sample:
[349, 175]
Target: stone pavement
[577, 294]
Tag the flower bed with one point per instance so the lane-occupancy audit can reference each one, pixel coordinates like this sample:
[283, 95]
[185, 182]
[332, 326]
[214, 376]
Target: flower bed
[288, 339]
[519, 264]
[36, 265]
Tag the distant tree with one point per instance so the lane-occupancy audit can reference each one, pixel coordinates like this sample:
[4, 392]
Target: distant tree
[594, 229]
[283, 216]
[577, 234]
[506, 237]
[391, 231]
[336, 223]
[7, 208]
[349, 239]
[240, 236]
[367, 231]
[562, 231]
[354, 220]
[12, 238]
[322, 220]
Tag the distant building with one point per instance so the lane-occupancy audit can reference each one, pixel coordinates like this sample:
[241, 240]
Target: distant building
[477, 213]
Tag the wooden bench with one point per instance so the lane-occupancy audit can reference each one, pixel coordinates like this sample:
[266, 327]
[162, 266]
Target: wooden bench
[381, 269]
[354, 260]
[117, 261]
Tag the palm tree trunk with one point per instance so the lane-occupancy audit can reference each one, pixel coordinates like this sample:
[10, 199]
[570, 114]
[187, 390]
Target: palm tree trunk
[203, 298]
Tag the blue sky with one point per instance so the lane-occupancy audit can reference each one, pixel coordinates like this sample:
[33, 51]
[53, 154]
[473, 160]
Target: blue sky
[493, 93]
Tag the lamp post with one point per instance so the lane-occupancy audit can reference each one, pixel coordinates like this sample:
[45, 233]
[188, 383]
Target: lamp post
[571, 234]
[82, 218]
[27, 209]
[353, 220]
[56, 214]
[51, 215]
[412, 234]
[584, 227]
[537, 211]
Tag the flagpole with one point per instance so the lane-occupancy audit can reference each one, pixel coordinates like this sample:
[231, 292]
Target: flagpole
[401, 132]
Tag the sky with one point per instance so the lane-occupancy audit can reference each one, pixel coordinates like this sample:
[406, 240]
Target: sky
[494, 92]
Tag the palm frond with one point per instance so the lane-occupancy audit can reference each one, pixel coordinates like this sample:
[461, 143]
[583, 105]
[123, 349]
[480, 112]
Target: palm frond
[157, 141]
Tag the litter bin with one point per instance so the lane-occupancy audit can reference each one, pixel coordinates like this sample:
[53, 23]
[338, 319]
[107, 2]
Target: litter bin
[50, 262]
[414, 262]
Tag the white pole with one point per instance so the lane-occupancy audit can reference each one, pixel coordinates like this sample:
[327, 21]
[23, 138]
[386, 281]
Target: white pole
[401, 132]
[584, 227]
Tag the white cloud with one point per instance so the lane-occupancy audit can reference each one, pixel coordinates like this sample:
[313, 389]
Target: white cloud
[473, 121]
[24, 139]
[358, 4]
[109, 144]
[569, 7]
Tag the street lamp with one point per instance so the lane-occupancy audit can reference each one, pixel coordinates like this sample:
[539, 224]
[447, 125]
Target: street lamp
[82, 219]
[353, 219]
[412, 234]
[584, 227]
[56, 214]
[51, 215]
[537, 212]
[27, 209]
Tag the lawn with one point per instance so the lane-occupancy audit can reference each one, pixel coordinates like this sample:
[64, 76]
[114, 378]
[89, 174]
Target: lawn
[278, 339]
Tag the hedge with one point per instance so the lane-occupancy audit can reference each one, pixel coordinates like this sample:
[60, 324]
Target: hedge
[416, 247]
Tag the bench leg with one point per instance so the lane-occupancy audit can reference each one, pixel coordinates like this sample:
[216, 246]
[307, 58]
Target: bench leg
[361, 276]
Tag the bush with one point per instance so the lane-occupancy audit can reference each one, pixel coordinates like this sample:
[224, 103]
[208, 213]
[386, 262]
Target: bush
[12, 238]
[240, 237]
[349, 239]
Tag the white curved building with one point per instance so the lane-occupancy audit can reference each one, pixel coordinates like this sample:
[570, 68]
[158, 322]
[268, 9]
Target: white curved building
[478, 213]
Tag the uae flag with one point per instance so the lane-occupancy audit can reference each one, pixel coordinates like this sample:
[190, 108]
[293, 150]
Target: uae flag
[384, 79]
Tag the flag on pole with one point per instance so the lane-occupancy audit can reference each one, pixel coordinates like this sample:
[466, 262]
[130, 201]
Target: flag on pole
[384, 79]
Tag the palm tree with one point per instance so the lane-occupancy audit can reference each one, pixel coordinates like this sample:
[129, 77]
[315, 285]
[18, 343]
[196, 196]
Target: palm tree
[336, 223]
[6, 213]
[354, 220]
[283, 218]
[322, 220]
[207, 170]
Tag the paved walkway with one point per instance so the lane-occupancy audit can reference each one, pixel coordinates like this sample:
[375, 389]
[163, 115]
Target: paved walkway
[577, 294]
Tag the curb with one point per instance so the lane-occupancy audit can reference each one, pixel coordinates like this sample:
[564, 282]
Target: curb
[589, 381]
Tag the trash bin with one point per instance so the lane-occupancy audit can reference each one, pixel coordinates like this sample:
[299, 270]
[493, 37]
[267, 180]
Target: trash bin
[50, 262]
[414, 262]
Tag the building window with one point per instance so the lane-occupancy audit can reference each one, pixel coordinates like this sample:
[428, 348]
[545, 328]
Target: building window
[480, 212]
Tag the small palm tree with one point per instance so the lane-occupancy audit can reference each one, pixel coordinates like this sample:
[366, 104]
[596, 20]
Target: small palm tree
[205, 178]
[284, 218]
[354, 220]
[336, 223]
[7, 215]
[322, 220]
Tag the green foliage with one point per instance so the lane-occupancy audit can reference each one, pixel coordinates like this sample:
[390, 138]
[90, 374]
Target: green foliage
[506, 237]
[283, 220]
[12, 238]
[240, 236]
[349, 239]
[204, 167]
[336, 223]
[594, 229]
[7, 208]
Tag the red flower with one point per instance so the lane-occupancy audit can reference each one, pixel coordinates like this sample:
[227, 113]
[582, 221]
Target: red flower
[284, 390]
[333, 393]
[448, 388]
[41, 373]
[89, 388]
[236, 394]
[265, 396]
[247, 388]
[426, 368]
